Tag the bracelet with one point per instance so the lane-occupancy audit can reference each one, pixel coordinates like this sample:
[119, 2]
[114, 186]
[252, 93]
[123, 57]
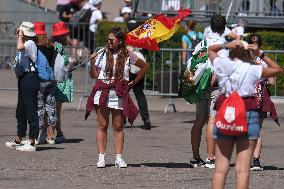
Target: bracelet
[262, 55]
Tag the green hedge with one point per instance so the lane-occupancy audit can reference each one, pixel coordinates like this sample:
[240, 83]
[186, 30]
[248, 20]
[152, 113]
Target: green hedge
[275, 41]
[272, 40]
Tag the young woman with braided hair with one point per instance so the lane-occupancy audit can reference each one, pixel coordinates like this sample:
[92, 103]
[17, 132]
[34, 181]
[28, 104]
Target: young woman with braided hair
[111, 92]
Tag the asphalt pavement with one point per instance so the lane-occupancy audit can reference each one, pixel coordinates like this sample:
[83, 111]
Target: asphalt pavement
[156, 159]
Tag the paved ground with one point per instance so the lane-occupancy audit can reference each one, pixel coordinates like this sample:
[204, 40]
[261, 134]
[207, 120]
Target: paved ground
[157, 159]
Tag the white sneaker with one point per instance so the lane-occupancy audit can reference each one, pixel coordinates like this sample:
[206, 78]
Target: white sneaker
[26, 148]
[50, 141]
[13, 144]
[210, 163]
[60, 139]
[101, 161]
[25, 141]
[119, 162]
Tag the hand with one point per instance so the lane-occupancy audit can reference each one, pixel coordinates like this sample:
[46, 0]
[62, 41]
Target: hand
[93, 57]
[234, 44]
[131, 84]
[254, 49]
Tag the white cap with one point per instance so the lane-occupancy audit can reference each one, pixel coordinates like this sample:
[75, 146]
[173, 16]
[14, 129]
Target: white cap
[126, 10]
[95, 2]
[28, 29]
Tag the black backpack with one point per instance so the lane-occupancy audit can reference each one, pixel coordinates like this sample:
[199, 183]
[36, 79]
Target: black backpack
[81, 16]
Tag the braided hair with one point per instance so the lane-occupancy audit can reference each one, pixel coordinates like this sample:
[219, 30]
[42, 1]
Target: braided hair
[122, 56]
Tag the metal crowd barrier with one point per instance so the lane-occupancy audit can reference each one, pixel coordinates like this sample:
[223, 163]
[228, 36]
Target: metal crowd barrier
[161, 80]
[163, 77]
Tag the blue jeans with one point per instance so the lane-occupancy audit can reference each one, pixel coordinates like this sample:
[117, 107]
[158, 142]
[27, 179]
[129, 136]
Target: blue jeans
[253, 128]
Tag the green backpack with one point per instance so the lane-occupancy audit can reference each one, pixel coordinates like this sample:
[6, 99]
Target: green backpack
[195, 80]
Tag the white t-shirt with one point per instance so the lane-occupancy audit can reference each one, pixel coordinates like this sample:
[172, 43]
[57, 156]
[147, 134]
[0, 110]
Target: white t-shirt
[96, 15]
[239, 30]
[236, 75]
[101, 65]
[208, 33]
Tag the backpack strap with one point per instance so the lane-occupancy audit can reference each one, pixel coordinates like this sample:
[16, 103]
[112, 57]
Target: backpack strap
[190, 38]
[32, 63]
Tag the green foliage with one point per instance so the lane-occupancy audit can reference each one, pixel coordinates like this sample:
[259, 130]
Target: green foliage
[275, 41]
[103, 30]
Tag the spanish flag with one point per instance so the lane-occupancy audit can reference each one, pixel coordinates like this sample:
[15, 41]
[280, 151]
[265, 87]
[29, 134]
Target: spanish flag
[155, 30]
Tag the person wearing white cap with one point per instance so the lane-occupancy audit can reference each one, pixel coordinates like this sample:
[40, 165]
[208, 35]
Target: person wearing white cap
[28, 87]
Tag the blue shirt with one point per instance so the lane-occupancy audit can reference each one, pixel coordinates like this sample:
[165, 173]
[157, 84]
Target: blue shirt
[193, 35]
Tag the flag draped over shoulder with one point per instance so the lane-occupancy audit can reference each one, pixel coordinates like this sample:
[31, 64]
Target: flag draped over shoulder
[196, 78]
[155, 30]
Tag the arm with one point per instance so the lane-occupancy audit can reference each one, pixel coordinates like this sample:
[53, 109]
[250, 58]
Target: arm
[94, 74]
[212, 50]
[144, 68]
[20, 42]
[183, 54]
[273, 68]
[271, 81]
[213, 80]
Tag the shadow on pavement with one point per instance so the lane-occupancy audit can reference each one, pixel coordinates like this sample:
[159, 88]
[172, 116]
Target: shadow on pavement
[168, 165]
[48, 148]
[272, 168]
[73, 140]
[190, 121]
[139, 126]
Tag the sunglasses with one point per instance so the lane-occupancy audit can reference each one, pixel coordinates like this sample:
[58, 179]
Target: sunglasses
[112, 41]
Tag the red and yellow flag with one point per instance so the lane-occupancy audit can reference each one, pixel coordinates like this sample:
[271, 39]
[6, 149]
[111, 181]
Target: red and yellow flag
[155, 30]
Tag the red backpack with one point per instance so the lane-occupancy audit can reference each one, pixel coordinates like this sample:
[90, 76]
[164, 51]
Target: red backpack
[231, 117]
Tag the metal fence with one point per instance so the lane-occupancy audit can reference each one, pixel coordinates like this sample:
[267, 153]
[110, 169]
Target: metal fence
[207, 7]
[161, 80]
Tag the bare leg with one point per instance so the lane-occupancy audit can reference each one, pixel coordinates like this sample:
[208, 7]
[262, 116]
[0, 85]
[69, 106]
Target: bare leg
[50, 132]
[244, 154]
[223, 153]
[257, 150]
[75, 43]
[209, 138]
[196, 133]
[117, 124]
[102, 120]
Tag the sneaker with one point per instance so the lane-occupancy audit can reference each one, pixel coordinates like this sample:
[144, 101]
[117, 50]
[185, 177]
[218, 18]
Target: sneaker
[119, 162]
[101, 161]
[197, 162]
[60, 139]
[210, 163]
[256, 166]
[13, 144]
[26, 148]
[50, 141]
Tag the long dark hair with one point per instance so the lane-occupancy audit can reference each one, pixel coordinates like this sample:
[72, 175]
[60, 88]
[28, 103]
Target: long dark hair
[255, 39]
[242, 54]
[121, 57]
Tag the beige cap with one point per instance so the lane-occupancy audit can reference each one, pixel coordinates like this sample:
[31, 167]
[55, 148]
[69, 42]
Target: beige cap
[28, 29]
